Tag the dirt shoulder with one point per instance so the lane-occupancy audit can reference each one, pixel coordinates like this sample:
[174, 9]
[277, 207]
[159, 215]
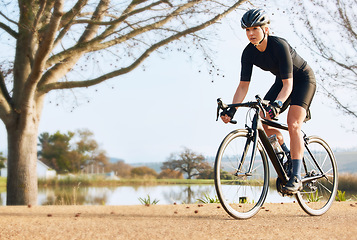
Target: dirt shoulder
[209, 221]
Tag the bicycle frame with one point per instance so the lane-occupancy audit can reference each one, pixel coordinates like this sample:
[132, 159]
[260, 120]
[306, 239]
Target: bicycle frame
[284, 127]
[257, 132]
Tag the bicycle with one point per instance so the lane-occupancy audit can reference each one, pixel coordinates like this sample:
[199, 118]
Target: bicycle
[242, 170]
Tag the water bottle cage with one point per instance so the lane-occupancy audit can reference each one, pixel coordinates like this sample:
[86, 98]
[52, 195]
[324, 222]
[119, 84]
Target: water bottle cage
[280, 156]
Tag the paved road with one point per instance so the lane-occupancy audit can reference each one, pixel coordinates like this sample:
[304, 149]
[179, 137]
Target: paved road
[274, 221]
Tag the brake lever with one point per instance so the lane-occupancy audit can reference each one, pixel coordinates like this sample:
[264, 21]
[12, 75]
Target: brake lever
[259, 101]
[219, 103]
[220, 106]
[262, 109]
[223, 106]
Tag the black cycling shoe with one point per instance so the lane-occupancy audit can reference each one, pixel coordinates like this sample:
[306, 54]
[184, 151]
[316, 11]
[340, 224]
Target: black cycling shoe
[293, 185]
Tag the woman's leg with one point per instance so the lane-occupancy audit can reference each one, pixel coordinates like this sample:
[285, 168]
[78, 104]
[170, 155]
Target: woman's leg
[271, 131]
[296, 117]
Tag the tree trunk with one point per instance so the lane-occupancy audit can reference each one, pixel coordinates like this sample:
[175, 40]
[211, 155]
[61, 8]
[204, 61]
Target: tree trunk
[22, 160]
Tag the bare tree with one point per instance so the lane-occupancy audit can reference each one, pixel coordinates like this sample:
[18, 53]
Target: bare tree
[187, 162]
[329, 29]
[59, 44]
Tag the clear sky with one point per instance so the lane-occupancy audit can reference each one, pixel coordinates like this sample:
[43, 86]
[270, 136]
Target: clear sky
[146, 115]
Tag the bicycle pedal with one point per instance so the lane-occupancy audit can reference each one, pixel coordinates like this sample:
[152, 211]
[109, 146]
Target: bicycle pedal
[285, 192]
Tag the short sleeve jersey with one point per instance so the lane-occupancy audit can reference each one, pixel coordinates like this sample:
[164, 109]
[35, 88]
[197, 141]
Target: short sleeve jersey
[279, 58]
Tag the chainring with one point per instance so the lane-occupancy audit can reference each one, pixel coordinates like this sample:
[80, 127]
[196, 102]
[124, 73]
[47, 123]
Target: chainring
[279, 188]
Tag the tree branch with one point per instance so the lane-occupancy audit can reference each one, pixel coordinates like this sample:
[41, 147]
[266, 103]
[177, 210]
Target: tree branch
[346, 21]
[10, 20]
[71, 14]
[48, 11]
[94, 45]
[8, 29]
[91, 29]
[45, 47]
[63, 67]
[86, 83]
[3, 89]
[67, 20]
[338, 52]
[344, 107]
[40, 13]
[5, 100]
[129, 11]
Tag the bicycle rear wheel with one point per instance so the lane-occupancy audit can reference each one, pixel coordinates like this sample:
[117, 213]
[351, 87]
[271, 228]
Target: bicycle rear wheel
[317, 195]
[240, 193]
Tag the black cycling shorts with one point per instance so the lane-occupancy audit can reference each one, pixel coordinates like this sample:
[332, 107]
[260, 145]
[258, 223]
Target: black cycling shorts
[304, 87]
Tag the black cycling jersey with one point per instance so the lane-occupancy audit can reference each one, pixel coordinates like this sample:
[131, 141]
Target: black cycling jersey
[282, 60]
[279, 58]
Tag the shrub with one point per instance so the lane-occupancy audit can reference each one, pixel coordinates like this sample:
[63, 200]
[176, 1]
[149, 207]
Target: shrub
[347, 182]
[170, 174]
[143, 172]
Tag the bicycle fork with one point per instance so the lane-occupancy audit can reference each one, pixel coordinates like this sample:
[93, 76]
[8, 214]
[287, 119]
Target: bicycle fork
[253, 137]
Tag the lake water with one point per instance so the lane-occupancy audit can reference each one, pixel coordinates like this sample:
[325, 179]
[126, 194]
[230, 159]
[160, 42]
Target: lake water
[129, 195]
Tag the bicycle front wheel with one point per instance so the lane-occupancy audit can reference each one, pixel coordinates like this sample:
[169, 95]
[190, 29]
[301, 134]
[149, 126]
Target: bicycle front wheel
[319, 161]
[240, 192]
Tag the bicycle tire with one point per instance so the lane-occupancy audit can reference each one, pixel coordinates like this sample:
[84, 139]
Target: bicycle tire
[318, 195]
[241, 196]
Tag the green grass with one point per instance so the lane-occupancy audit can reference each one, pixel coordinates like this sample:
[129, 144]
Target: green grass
[2, 184]
[147, 201]
[65, 198]
[313, 197]
[340, 196]
[207, 199]
[347, 182]
[101, 181]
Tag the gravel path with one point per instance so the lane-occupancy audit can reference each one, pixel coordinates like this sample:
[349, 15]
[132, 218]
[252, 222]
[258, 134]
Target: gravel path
[209, 221]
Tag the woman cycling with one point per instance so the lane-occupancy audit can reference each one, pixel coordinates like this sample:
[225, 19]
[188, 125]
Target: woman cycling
[294, 86]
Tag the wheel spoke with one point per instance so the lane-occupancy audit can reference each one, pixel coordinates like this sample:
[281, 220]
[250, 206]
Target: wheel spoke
[323, 186]
[241, 194]
[318, 195]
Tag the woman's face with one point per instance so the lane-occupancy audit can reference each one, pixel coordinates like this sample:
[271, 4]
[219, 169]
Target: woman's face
[254, 34]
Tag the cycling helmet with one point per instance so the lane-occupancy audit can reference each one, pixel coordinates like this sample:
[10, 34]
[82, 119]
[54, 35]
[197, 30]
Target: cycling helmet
[254, 17]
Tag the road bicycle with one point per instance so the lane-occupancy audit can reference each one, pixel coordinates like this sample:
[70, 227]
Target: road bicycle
[242, 169]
